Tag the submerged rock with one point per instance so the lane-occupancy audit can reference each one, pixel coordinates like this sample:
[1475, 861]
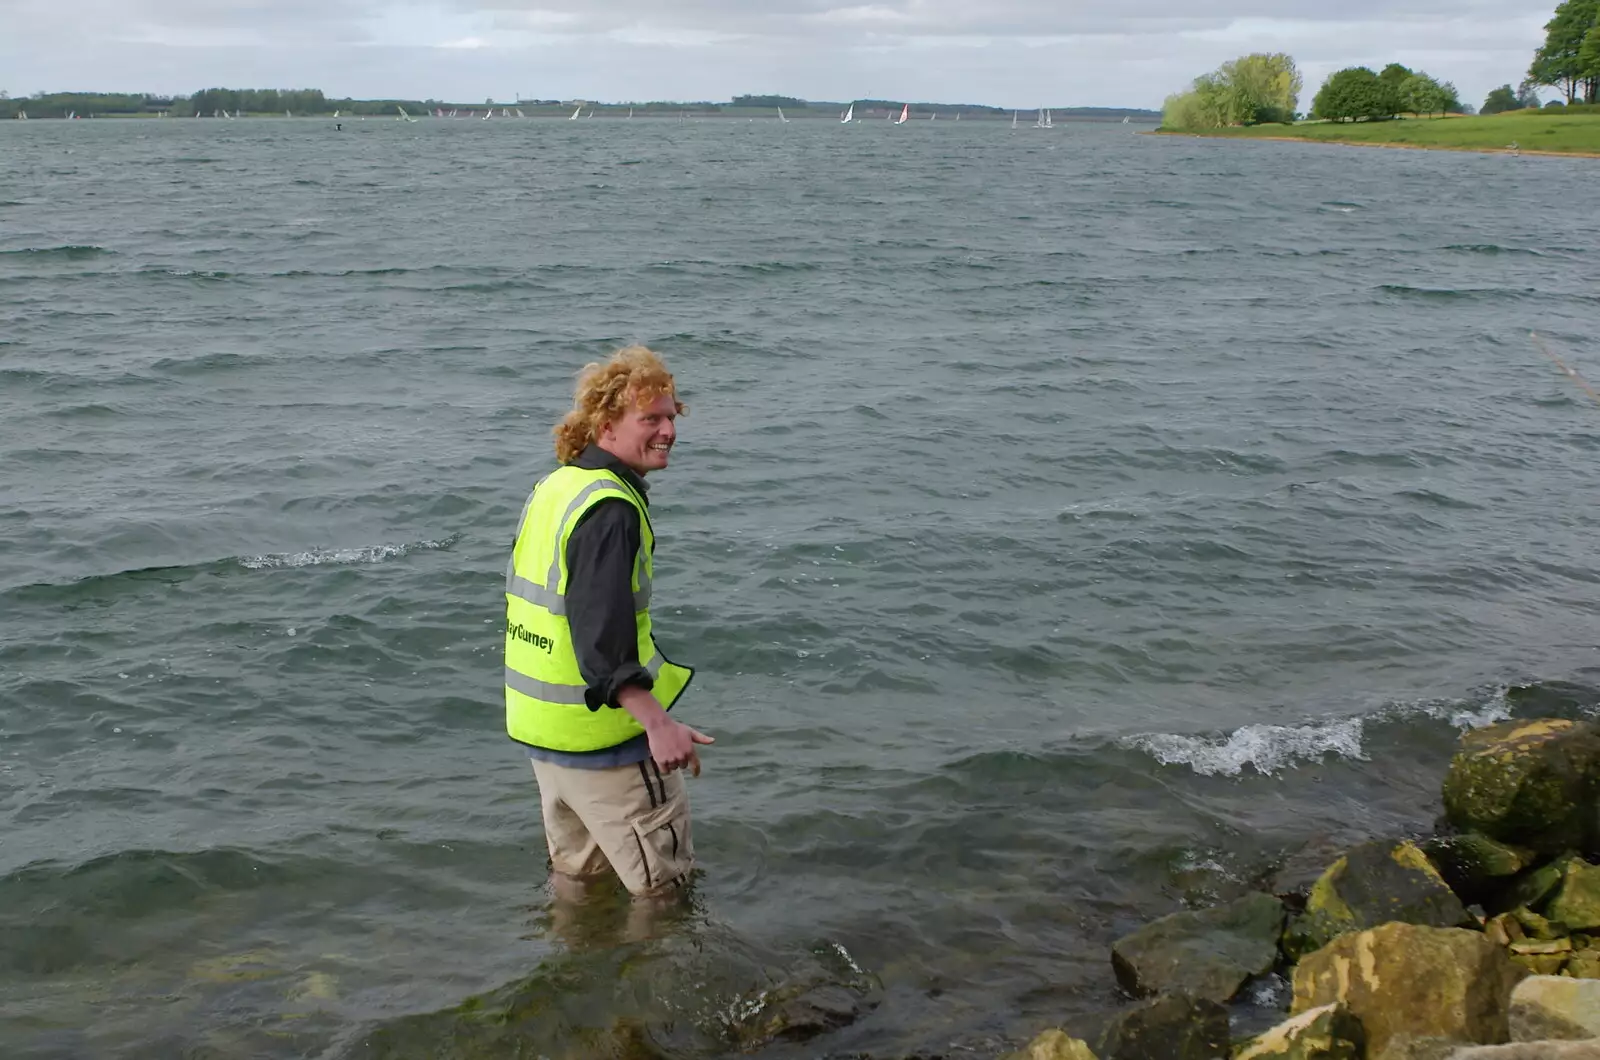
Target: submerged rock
[1410, 985]
[1207, 953]
[1531, 783]
[1173, 1027]
[1328, 1032]
[1554, 1006]
[794, 1013]
[1054, 1044]
[1375, 883]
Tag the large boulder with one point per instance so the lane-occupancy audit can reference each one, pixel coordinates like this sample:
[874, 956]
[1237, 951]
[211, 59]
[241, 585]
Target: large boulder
[1206, 953]
[1328, 1032]
[1577, 897]
[1554, 1006]
[1054, 1044]
[1410, 984]
[1375, 883]
[1173, 1027]
[1532, 783]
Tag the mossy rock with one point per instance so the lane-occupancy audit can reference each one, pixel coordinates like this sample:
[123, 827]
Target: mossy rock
[1173, 1027]
[1410, 985]
[1576, 902]
[1053, 1044]
[1375, 883]
[1474, 865]
[1206, 953]
[1533, 888]
[1529, 783]
[1328, 1032]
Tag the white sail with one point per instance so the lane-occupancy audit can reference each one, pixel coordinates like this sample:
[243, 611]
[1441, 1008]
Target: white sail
[1013, 119]
[850, 112]
[905, 114]
[781, 117]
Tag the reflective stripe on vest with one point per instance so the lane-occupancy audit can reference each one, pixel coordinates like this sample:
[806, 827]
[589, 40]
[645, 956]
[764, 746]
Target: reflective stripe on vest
[546, 702]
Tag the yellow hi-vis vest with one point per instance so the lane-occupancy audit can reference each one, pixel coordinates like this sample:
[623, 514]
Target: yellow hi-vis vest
[545, 705]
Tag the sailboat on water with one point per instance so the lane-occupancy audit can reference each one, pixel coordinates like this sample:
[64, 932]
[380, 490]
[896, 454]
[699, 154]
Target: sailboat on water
[849, 115]
[577, 112]
[781, 117]
[1013, 119]
[905, 114]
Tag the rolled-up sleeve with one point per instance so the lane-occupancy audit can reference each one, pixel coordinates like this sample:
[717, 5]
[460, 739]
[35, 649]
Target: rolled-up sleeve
[600, 556]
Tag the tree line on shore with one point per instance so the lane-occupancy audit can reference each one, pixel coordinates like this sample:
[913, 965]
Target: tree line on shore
[300, 102]
[1262, 88]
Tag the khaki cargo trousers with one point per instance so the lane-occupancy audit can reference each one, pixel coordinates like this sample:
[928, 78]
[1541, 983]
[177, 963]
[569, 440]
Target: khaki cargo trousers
[631, 820]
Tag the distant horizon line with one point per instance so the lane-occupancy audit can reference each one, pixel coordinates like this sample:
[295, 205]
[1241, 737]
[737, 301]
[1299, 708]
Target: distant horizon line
[574, 101]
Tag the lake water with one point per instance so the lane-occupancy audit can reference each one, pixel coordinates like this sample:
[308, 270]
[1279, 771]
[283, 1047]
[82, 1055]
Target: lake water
[1068, 526]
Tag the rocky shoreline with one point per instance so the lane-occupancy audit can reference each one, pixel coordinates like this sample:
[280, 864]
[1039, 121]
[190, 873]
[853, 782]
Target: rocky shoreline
[1480, 942]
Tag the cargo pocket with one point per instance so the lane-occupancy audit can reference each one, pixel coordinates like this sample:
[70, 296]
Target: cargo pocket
[664, 847]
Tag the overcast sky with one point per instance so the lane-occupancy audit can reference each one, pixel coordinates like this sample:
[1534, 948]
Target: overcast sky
[1010, 53]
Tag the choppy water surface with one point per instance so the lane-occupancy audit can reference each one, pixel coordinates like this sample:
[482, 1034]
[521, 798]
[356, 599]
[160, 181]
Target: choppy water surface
[1068, 525]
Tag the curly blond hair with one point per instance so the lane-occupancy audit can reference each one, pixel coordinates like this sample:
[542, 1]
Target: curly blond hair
[633, 377]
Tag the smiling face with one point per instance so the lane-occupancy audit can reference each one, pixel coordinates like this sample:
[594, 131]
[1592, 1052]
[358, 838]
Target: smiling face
[642, 436]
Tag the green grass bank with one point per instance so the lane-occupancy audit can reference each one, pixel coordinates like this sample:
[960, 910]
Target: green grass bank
[1532, 132]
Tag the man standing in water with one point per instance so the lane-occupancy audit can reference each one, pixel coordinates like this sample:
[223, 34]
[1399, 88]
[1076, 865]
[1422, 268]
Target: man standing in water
[587, 690]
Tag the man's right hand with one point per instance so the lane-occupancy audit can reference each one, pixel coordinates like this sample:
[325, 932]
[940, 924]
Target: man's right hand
[672, 745]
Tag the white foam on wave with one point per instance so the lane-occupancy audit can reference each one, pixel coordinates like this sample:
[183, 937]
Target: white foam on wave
[1268, 748]
[339, 556]
[1271, 748]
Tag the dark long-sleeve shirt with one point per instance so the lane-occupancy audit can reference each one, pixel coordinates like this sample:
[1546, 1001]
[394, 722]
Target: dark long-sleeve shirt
[601, 553]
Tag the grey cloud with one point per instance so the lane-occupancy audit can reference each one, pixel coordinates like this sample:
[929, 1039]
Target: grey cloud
[1001, 51]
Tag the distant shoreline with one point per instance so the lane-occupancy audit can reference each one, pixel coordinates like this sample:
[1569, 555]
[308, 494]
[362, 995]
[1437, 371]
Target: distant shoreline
[1380, 143]
[1543, 133]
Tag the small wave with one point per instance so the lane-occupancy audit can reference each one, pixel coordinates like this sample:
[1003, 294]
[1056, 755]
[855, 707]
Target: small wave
[73, 252]
[1267, 748]
[1438, 500]
[342, 556]
[780, 266]
[206, 363]
[1491, 248]
[185, 274]
[1342, 207]
[1449, 293]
